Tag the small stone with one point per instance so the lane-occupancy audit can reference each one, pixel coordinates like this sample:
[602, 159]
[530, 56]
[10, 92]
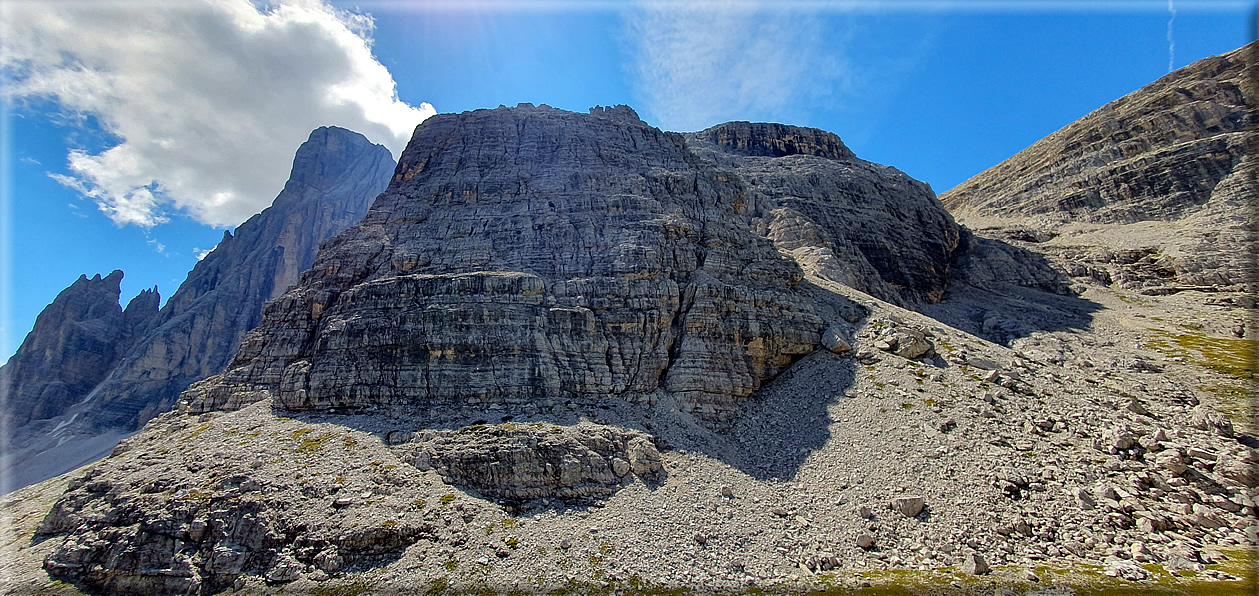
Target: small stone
[566, 544]
[700, 538]
[1031, 576]
[196, 530]
[343, 502]
[1172, 461]
[620, 467]
[865, 541]
[286, 569]
[833, 340]
[974, 564]
[864, 512]
[727, 491]
[908, 506]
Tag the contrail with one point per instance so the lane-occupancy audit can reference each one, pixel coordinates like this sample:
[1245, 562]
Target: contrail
[1171, 41]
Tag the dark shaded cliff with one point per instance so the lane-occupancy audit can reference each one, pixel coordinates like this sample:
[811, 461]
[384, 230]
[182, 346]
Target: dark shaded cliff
[91, 372]
[73, 345]
[864, 225]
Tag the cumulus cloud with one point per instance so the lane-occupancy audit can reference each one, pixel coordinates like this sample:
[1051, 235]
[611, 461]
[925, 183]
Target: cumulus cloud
[699, 64]
[208, 98]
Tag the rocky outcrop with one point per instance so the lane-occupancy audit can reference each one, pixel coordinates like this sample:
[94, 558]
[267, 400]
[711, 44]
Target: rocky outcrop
[864, 225]
[73, 345]
[532, 255]
[336, 174]
[521, 462]
[1154, 191]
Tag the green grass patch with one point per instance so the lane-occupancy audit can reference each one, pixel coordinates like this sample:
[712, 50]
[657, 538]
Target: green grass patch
[1237, 358]
[193, 435]
[313, 445]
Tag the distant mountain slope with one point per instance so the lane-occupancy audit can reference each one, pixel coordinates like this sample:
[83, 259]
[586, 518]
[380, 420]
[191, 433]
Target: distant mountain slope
[73, 345]
[1154, 191]
[336, 175]
[118, 370]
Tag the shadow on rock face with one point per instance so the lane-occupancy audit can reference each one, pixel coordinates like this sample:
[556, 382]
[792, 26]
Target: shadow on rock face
[1002, 292]
[788, 419]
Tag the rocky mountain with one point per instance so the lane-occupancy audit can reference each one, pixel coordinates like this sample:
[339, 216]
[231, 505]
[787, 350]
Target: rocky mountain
[75, 342]
[1154, 191]
[119, 369]
[336, 175]
[867, 226]
[585, 256]
[572, 352]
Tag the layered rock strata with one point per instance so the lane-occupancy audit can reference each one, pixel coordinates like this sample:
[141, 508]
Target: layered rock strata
[522, 462]
[864, 225]
[73, 345]
[1154, 191]
[530, 255]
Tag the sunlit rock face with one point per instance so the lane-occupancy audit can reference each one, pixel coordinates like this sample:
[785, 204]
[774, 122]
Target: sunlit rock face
[534, 256]
[1153, 192]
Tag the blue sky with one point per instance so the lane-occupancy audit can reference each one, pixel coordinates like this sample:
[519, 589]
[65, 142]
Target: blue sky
[136, 132]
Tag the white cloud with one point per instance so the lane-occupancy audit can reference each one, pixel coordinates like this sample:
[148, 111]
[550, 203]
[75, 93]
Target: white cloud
[203, 252]
[696, 65]
[210, 99]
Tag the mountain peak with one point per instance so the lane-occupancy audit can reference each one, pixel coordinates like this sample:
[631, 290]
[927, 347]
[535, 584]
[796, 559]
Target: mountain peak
[330, 154]
[767, 139]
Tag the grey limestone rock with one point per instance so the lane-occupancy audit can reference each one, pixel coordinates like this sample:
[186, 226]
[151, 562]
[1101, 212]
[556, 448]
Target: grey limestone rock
[864, 225]
[1151, 192]
[523, 461]
[530, 254]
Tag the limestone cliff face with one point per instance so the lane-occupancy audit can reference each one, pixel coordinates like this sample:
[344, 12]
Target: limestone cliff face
[336, 174]
[864, 225]
[1153, 191]
[532, 255]
[72, 346]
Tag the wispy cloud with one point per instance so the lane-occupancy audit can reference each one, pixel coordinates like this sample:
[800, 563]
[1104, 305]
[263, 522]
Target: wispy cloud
[699, 65]
[209, 98]
[1171, 39]
[30, 161]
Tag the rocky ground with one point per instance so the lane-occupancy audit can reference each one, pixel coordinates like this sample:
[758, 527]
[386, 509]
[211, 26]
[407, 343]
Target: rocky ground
[1113, 455]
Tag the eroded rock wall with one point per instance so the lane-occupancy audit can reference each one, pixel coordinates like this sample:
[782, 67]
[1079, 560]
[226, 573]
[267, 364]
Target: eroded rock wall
[864, 225]
[534, 254]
